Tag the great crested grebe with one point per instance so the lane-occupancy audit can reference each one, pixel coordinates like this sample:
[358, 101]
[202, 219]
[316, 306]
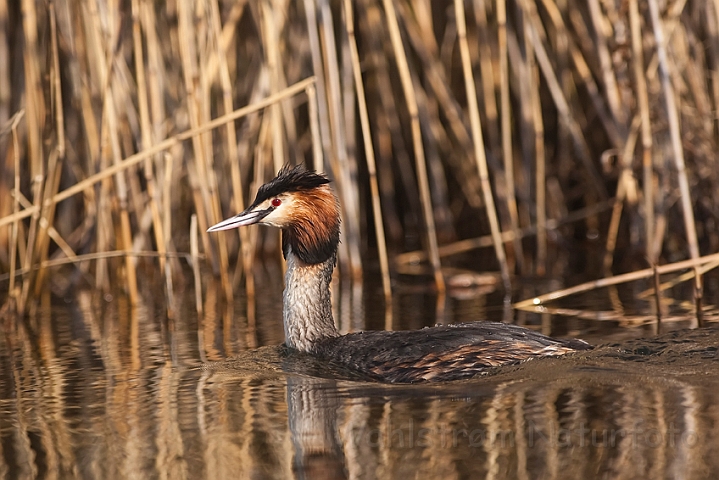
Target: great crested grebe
[301, 203]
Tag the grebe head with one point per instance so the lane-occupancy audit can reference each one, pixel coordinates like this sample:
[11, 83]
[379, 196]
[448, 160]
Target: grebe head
[301, 203]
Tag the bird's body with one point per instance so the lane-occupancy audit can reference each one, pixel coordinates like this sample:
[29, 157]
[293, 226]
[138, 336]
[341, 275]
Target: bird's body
[303, 206]
[440, 353]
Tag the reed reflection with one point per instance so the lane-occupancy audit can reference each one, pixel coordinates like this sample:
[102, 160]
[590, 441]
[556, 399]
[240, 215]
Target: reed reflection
[98, 389]
[312, 407]
[558, 427]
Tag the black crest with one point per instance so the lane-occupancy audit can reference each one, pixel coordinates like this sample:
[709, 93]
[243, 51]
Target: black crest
[290, 179]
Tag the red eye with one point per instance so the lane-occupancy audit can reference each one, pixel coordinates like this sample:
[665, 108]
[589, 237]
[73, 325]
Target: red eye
[276, 202]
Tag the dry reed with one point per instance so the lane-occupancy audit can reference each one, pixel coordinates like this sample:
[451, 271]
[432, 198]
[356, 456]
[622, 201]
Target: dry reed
[514, 119]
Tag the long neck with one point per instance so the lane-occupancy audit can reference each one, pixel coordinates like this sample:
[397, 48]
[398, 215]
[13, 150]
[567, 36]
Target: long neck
[307, 302]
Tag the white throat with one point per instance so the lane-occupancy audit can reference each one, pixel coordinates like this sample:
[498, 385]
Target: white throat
[307, 309]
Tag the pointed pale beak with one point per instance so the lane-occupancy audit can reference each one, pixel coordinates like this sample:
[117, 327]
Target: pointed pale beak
[241, 220]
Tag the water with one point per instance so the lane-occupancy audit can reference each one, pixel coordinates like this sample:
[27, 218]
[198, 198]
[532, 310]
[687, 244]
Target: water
[91, 388]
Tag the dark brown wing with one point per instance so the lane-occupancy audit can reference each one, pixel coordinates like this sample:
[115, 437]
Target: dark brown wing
[442, 353]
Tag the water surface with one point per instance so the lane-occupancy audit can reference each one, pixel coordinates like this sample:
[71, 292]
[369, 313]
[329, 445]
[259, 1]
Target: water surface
[92, 388]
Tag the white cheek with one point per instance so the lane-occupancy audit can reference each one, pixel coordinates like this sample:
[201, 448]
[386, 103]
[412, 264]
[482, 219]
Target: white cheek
[280, 216]
[273, 220]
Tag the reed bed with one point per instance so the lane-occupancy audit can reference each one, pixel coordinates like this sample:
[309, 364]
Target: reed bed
[532, 127]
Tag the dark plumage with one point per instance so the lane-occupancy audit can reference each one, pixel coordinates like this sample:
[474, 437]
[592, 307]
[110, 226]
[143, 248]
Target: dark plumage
[301, 203]
[441, 353]
[289, 180]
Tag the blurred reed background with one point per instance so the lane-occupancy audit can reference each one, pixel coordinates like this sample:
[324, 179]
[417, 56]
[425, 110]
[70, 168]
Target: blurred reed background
[513, 131]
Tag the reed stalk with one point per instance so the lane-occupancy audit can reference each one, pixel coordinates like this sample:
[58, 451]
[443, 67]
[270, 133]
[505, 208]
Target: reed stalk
[195, 256]
[327, 134]
[203, 182]
[479, 145]
[34, 101]
[506, 130]
[269, 35]
[56, 155]
[540, 172]
[124, 235]
[626, 191]
[421, 167]
[314, 121]
[657, 296]
[369, 154]
[147, 136]
[713, 29]
[29, 250]
[343, 166]
[694, 264]
[5, 77]
[230, 135]
[605, 63]
[643, 102]
[16, 204]
[677, 149]
[167, 228]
